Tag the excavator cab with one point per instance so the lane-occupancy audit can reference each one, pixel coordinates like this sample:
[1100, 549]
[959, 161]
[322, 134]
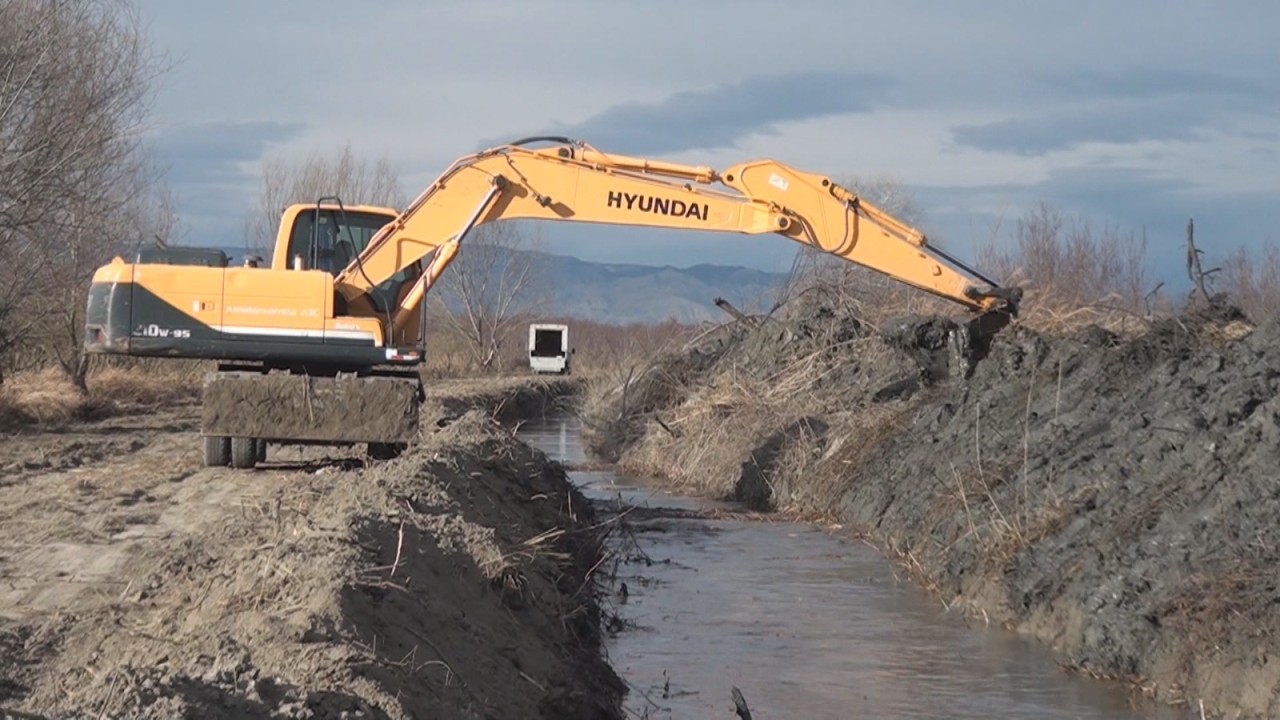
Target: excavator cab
[329, 236]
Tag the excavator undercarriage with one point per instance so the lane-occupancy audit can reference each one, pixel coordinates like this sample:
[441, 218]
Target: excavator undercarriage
[244, 406]
[324, 346]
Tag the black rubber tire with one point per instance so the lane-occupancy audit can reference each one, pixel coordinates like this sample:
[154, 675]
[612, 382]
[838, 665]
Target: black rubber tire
[244, 452]
[217, 451]
[260, 450]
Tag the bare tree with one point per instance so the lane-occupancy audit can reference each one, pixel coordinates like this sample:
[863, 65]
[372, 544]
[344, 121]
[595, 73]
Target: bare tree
[498, 277]
[1252, 278]
[1070, 262]
[887, 193]
[144, 215]
[353, 179]
[75, 84]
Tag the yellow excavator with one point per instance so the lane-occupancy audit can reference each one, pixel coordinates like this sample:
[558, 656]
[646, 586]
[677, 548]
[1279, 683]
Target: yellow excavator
[323, 346]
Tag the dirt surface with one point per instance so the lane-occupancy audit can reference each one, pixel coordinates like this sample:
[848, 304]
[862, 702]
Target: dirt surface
[450, 582]
[1112, 496]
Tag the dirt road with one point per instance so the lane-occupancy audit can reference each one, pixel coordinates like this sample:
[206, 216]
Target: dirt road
[451, 582]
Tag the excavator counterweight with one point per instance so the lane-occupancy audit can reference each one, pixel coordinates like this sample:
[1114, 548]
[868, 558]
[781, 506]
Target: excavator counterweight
[337, 320]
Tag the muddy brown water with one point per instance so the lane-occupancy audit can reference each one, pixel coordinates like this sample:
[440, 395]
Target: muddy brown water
[807, 623]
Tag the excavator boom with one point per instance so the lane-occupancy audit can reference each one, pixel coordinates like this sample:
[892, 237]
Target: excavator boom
[573, 181]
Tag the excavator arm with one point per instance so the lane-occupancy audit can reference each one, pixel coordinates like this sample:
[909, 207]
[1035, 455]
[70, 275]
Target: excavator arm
[572, 181]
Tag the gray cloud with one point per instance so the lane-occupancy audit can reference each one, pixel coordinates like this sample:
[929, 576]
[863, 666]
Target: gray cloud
[210, 152]
[716, 118]
[204, 172]
[1187, 73]
[1064, 129]
[1149, 82]
[1119, 199]
[1157, 103]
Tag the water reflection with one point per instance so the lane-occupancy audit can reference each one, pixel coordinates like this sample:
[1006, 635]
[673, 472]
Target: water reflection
[809, 625]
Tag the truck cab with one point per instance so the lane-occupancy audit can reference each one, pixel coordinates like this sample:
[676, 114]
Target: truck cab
[549, 349]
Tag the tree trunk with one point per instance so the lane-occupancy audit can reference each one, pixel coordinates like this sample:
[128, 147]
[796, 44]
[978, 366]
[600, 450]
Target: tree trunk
[80, 374]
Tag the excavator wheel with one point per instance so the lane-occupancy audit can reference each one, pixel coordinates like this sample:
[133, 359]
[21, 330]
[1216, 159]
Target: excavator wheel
[244, 452]
[217, 451]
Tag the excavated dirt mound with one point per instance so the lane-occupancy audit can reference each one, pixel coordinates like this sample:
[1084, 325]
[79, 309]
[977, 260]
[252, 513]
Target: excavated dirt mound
[1113, 496]
[1116, 499]
[451, 582]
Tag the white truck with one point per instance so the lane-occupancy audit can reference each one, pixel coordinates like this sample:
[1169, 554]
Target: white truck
[549, 349]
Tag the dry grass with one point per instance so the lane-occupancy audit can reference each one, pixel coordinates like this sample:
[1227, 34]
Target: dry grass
[1076, 274]
[1253, 280]
[634, 384]
[762, 433]
[727, 423]
[45, 397]
[813, 486]
[147, 387]
[1072, 262]
[48, 397]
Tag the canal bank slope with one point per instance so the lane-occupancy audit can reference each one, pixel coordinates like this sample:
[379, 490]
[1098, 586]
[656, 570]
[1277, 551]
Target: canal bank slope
[1113, 496]
[451, 582]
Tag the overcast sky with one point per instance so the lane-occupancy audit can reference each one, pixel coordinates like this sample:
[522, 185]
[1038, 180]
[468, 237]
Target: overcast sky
[1132, 114]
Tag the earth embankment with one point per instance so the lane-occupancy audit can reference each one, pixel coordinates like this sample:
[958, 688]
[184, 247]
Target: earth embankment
[1113, 495]
[453, 581]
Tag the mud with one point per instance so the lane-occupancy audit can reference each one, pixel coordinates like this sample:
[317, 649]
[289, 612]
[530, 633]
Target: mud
[1112, 496]
[285, 407]
[451, 582]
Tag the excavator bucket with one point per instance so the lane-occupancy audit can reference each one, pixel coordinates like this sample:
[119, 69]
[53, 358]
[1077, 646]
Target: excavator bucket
[944, 348]
[979, 332]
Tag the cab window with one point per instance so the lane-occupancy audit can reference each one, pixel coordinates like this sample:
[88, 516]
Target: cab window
[330, 239]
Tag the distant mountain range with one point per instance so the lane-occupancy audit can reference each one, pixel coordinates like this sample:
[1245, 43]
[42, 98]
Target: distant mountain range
[625, 293]
[631, 293]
